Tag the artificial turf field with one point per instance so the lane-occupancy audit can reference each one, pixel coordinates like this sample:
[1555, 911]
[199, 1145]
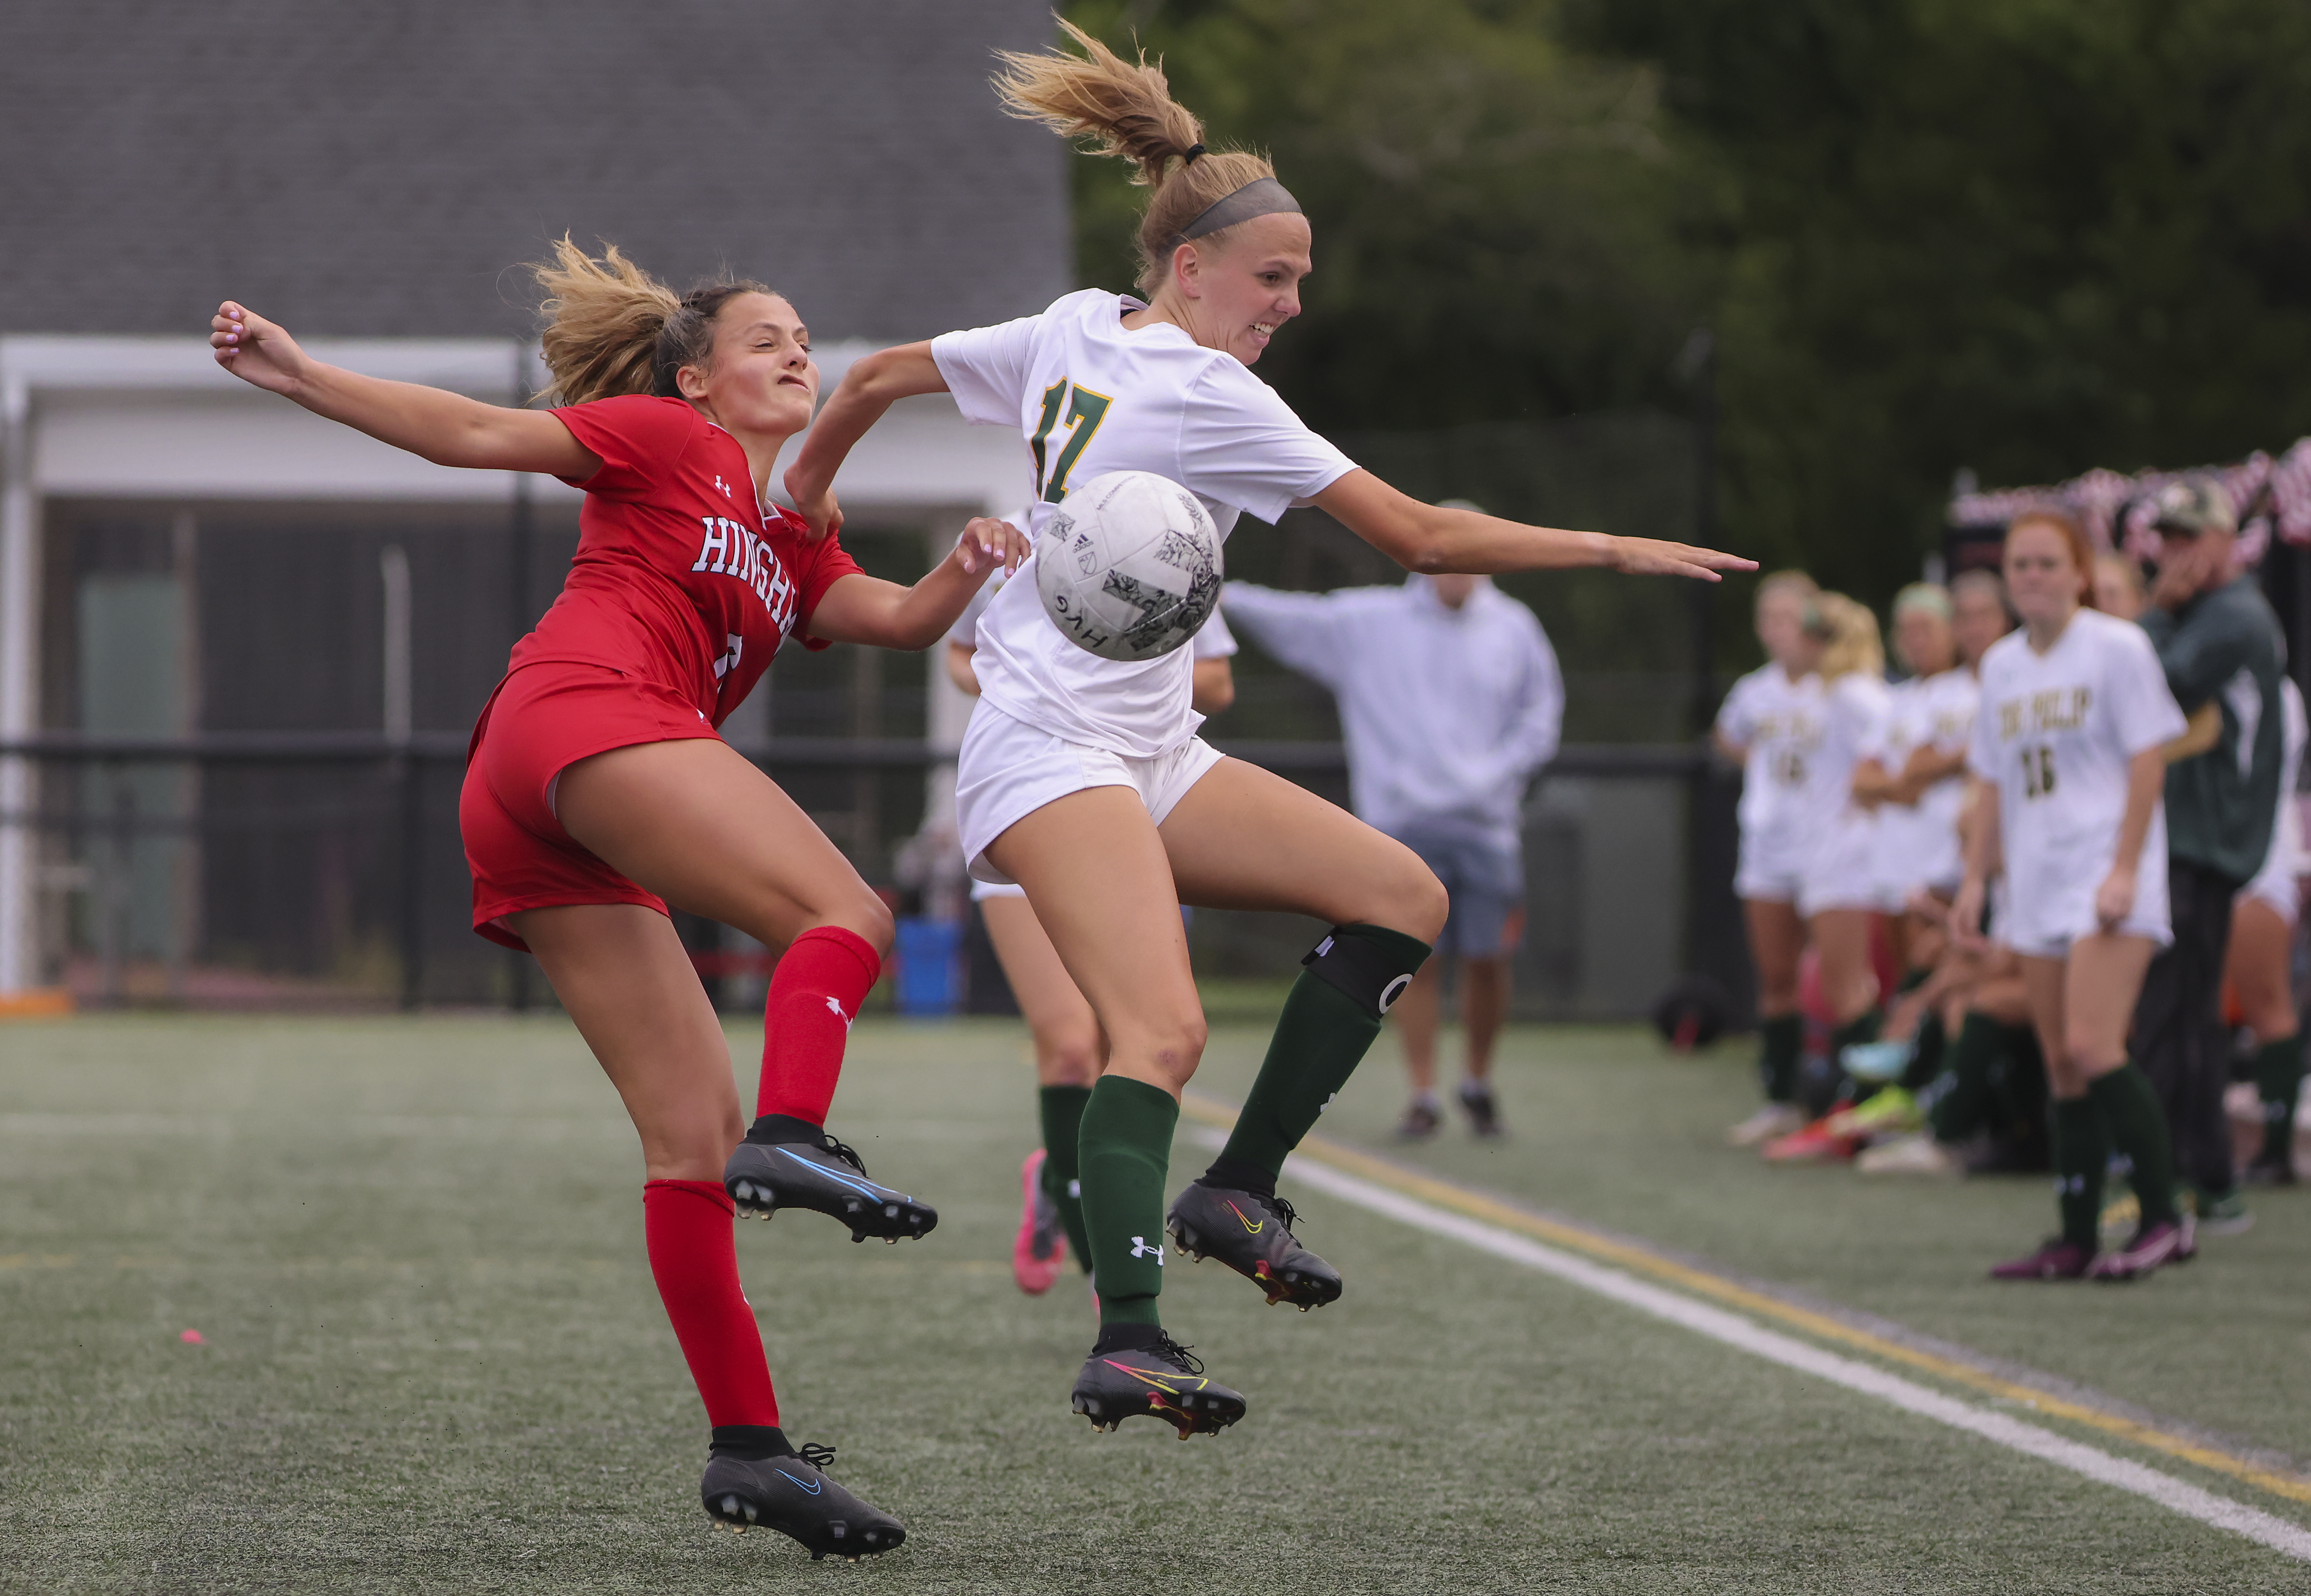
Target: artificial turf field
[431, 1359]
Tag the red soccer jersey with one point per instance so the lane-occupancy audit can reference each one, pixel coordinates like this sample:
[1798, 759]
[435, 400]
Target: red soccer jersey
[679, 578]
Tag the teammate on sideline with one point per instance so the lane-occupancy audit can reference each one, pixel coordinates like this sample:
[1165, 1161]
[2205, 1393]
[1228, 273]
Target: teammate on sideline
[2069, 747]
[1082, 778]
[1450, 702]
[1071, 1049]
[1770, 725]
[597, 789]
[2221, 649]
[2262, 936]
[1837, 889]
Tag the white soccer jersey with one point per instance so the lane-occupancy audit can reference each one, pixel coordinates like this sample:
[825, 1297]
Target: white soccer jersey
[2054, 732]
[1839, 871]
[1779, 722]
[1087, 397]
[1917, 843]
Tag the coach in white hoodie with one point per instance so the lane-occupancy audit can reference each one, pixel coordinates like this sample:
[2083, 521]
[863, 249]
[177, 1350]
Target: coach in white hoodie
[1450, 700]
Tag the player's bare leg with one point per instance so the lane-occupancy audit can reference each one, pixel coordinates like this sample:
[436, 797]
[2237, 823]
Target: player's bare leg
[696, 822]
[2261, 944]
[1070, 1050]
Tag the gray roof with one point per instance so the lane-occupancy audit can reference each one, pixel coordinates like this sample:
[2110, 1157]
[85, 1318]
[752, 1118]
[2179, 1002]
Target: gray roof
[377, 170]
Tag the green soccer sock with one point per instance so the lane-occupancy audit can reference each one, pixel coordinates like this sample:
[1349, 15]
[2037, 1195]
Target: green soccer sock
[1957, 1109]
[2138, 1128]
[1779, 1038]
[1126, 1152]
[1321, 1036]
[2081, 1148]
[1926, 1059]
[1062, 1115]
[2279, 1083]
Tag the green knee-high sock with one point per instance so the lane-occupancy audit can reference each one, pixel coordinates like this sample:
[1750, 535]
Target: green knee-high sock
[2081, 1148]
[1126, 1151]
[1062, 1115]
[1321, 1036]
[2279, 1083]
[2018, 1085]
[2138, 1128]
[1958, 1106]
[1926, 1061]
[1779, 1037]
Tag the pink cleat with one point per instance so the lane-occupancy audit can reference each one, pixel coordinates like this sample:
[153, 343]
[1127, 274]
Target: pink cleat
[1041, 1244]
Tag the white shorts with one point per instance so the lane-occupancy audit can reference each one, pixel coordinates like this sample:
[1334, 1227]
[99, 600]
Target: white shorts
[1841, 873]
[2045, 925]
[2278, 883]
[980, 891]
[1770, 867]
[1007, 769]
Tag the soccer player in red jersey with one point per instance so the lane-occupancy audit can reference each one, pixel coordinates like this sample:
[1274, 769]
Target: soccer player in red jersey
[597, 789]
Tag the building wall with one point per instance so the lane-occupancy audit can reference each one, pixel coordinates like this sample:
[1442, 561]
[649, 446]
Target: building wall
[379, 170]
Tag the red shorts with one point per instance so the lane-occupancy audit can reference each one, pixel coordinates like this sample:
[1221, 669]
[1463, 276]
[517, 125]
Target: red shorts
[542, 720]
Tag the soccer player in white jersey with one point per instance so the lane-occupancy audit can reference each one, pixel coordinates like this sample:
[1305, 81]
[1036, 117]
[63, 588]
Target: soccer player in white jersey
[1837, 888]
[2258, 968]
[1082, 778]
[1071, 1049]
[1770, 725]
[2069, 744]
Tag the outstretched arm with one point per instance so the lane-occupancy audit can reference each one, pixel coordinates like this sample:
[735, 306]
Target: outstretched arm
[865, 609]
[1423, 537]
[445, 428]
[871, 386]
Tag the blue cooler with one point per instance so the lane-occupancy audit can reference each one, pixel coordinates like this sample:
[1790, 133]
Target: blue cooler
[930, 974]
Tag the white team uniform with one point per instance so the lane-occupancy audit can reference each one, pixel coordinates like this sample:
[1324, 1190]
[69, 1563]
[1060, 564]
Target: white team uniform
[2054, 732]
[1916, 844]
[1087, 397]
[1778, 722]
[2278, 884]
[1213, 641]
[1840, 869]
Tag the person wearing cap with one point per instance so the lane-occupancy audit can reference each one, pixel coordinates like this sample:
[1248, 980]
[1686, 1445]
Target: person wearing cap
[2223, 654]
[1450, 702]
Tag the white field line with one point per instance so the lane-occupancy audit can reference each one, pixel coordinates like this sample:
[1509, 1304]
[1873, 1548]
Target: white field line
[1733, 1330]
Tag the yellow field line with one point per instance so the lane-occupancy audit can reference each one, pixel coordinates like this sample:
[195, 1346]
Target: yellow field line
[1640, 1260]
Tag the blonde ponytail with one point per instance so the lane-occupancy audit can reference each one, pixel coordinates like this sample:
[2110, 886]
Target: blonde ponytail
[612, 328]
[1127, 110]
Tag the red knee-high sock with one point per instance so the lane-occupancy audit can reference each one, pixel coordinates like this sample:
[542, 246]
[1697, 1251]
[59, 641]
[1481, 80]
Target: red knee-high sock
[814, 995]
[694, 1259]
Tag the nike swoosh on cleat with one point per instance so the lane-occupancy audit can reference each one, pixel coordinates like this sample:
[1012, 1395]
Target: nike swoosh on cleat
[1248, 1226]
[813, 1487]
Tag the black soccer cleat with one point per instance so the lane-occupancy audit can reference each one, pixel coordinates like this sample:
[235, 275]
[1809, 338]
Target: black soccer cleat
[1166, 1382]
[1252, 1235]
[791, 1495]
[826, 1177]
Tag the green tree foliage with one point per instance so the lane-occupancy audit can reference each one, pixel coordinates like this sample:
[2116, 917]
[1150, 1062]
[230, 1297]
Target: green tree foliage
[1494, 220]
[2029, 238]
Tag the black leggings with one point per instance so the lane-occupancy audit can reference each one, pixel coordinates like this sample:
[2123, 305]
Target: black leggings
[2179, 1030]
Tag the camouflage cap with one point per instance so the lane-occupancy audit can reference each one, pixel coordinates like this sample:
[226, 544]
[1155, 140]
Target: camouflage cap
[2194, 505]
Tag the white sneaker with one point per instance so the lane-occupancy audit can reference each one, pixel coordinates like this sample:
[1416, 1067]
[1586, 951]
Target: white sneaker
[1918, 1155]
[1775, 1119]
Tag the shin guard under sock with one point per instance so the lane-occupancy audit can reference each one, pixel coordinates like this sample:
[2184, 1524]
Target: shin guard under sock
[1125, 1149]
[1779, 1037]
[2130, 1112]
[694, 1259]
[1958, 1110]
[1063, 1115]
[2277, 1084]
[815, 992]
[2081, 1150]
[1329, 1022]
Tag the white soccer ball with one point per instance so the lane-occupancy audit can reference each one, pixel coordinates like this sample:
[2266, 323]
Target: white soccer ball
[1129, 565]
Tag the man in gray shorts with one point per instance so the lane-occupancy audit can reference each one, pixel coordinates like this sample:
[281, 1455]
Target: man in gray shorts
[1450, 702]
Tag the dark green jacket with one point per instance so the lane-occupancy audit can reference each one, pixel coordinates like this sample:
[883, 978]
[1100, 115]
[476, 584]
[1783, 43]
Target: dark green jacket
[2224, 647]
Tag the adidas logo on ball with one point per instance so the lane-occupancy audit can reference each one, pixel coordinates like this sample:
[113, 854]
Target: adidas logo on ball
[1130, 565]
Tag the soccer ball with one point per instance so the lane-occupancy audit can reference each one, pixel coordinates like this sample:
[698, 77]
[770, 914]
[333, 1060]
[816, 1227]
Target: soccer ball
[1129, 565]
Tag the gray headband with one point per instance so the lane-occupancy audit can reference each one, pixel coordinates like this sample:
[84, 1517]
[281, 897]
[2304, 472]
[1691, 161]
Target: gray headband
[1262, 196]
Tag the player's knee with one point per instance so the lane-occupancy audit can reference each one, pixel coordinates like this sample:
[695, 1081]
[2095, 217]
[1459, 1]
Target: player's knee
[1068, 1055]
[868, 918]
[1415, 901]
[1174, 1043]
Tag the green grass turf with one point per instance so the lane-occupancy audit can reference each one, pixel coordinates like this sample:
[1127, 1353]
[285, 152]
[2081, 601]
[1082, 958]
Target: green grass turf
[434, 1361]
